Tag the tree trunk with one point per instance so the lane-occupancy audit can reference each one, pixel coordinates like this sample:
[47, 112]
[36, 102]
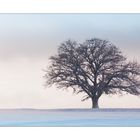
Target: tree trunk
[95, 103]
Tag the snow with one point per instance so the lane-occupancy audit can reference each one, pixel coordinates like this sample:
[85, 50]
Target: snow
[70, 117]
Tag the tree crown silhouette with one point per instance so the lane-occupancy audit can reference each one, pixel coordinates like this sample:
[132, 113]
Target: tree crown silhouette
[94, 67]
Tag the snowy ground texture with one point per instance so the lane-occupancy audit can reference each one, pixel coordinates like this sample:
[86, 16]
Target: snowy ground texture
[70, 117]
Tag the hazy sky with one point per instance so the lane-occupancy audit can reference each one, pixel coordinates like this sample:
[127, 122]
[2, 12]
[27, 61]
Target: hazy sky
[27, 41]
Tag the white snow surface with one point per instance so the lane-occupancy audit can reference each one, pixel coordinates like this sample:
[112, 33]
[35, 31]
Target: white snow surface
[70, 117]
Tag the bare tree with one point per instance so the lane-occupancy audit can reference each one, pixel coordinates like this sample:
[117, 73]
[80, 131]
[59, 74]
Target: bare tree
[94, 67]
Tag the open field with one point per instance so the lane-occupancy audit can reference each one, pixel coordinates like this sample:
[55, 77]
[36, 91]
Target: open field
[70, 117]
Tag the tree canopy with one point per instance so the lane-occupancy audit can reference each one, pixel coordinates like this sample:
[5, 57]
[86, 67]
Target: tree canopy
[94, 67]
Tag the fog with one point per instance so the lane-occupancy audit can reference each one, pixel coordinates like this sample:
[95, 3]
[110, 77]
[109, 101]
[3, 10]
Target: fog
[28, 40]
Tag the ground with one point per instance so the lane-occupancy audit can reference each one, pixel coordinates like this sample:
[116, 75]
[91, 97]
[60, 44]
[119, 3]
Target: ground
[70, 117]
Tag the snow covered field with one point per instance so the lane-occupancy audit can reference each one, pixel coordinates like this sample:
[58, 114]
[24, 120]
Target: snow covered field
[70, 117]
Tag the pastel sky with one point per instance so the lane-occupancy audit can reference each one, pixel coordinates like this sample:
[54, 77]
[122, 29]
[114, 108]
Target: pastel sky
[28, 40]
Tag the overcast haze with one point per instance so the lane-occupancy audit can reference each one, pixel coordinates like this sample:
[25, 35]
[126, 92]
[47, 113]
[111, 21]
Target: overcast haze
[27, 41]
